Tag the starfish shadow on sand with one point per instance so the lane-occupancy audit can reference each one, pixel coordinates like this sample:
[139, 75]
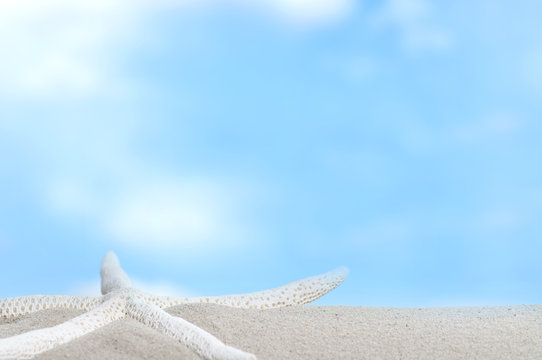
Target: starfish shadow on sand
[120, 299]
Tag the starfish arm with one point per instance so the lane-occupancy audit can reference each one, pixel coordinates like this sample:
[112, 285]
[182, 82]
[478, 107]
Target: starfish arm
[296, 293]
[12, 307]
[29, 344]
[113, 277]
[198, 340]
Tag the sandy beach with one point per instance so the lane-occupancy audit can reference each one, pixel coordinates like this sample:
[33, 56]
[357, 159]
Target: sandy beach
[315, 332]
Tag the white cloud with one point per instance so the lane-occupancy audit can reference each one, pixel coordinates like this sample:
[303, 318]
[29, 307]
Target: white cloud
[154, 212]
[415, 21]
[60, 48]
[166, 213]
[310, 12]
[90, 173]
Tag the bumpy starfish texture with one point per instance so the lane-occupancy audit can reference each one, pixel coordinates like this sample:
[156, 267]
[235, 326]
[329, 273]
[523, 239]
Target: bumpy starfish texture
[121, 300]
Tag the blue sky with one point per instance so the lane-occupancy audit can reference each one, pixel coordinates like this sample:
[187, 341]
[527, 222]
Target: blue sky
[232, 146]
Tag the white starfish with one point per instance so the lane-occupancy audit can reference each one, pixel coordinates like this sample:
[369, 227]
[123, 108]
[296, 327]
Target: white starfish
[121, 300]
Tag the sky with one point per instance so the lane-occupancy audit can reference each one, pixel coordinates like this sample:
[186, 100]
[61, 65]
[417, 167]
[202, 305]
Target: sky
[231, 146]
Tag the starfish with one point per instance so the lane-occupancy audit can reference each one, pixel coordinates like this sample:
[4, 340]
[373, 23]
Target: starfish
[120, 299]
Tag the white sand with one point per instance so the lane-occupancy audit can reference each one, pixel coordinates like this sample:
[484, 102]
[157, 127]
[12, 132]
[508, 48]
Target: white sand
[314, 332]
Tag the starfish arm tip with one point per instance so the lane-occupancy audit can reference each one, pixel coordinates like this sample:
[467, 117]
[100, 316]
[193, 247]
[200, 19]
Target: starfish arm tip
[340, 273]
[113, 276]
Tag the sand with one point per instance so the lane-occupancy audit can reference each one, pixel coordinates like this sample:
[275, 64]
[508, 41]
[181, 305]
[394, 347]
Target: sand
[316, 332]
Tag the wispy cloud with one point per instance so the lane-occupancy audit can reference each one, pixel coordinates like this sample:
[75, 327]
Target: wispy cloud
[88, 173]
[193, 215]
[59, 49]
[62, 48]
[310, 12]
[157, 212]
[415, 21]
